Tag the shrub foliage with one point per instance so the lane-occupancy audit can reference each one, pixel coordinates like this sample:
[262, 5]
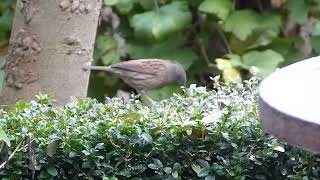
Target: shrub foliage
[196, 134]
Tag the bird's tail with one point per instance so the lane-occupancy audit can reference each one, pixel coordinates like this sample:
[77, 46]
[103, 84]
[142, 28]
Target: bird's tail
[99, 68]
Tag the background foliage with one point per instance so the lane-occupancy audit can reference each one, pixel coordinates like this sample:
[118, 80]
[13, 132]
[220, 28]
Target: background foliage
[198, 133]
[207, 37]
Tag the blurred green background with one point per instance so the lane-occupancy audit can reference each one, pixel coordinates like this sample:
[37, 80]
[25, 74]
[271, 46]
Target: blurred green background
[208, 37]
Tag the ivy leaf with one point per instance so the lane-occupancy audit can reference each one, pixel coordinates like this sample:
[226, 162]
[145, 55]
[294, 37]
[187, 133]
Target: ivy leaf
[172, 49]
[220, 8]
[4, 137]
[157, 25]
[242, 23]
[266, 61]
[298, 10]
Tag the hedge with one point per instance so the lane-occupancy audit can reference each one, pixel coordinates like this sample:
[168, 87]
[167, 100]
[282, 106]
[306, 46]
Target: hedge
[197, 134]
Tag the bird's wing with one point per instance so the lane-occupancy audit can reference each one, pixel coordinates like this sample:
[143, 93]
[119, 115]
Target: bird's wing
[139, 69]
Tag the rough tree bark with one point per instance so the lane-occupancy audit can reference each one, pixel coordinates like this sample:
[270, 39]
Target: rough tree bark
[50, 42]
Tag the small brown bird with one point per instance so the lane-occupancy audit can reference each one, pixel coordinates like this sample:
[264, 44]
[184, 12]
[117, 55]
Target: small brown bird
[146, 74]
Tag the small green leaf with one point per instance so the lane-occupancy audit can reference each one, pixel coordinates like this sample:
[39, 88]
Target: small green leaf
[196, 168]
[147, 137]
[242, 23]
[221, 8]
[21, 105]
[158, 163]
[210, 177]
[167, 170]
[266, 61]
[155, 25]
[175, 174]
[4, 137]
[177, 166]
[203, 172]
[153, 166]
[52, 171]
[203, 163]
[52, 147]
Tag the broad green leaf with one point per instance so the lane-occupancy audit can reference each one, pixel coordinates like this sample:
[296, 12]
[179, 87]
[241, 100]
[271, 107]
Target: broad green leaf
[4, 137]
[124, 6]
[220, 8]
[315, 41]
[2, 77]
[110, 58]
[105, 42]
[110, 2]
[2, 61]
[147, 4]
[156, 25]
[52, 171]
[298, 10]
[171, 49]
[6, 20]
[106, 50]
[270, 22]
[266, 61]
[316, 29]
[242, 23]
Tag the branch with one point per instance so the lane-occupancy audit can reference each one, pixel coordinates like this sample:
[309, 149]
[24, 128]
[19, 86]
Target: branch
[11, 156]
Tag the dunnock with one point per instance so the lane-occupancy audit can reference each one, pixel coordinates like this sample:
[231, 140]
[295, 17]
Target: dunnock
[146, 74]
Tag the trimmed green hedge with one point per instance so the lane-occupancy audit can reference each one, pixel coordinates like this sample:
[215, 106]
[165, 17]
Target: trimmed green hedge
[198, 133]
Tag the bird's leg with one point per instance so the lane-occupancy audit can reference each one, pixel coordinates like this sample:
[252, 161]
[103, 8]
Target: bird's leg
[143, 94]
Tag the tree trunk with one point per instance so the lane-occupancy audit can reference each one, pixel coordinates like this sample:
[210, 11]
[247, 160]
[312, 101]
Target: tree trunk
[50, 42]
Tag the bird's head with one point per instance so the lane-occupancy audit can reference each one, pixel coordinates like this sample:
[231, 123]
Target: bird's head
[177, 74]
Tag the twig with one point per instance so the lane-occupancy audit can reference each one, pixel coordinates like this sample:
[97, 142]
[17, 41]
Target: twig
[224, 39]
[156, 5]
[11, 156]
[205, 55]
